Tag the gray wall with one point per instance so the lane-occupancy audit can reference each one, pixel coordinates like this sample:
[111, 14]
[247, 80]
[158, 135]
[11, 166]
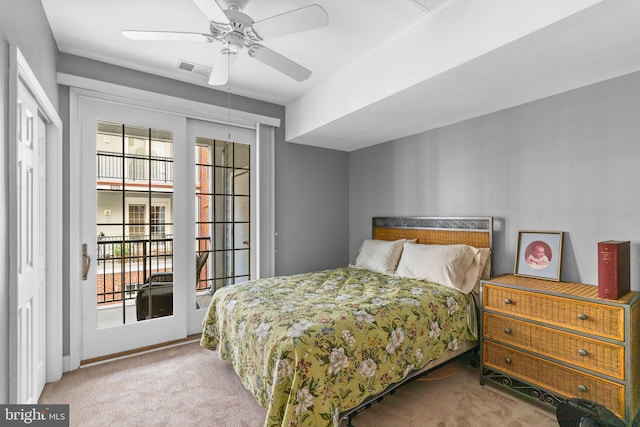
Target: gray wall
[566, 163]
[26, 27]
[312, 209]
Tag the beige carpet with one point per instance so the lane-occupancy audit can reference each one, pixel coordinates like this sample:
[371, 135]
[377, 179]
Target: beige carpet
[190, 386]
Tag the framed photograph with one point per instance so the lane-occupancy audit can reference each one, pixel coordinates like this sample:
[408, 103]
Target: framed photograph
[539, 254]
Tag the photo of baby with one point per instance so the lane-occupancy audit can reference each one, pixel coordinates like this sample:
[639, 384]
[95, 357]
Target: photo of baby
[538, 254]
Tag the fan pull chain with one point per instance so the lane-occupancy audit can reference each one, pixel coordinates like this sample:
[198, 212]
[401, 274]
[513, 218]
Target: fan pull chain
[229, 113]
[229, 99]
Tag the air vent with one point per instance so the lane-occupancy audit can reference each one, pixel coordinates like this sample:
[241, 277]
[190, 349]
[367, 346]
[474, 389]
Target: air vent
[186, 66]
[191, 67]
[427, 5]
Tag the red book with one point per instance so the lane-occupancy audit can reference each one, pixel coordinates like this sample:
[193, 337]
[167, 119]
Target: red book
[614, 279]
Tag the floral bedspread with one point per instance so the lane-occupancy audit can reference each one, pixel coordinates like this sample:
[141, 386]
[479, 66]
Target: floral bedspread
[313, 345]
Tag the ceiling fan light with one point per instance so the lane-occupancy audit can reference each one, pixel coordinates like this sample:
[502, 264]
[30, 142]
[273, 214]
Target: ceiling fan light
[230, 57]
[222, 68]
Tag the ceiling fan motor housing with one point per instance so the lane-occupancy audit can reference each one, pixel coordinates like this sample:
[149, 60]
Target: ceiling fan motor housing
[238, 33]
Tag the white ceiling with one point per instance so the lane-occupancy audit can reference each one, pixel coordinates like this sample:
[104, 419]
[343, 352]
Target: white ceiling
[382, 69]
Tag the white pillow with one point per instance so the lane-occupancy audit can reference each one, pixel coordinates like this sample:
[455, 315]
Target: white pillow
[479, 269]
[380, 256]
[442, 264]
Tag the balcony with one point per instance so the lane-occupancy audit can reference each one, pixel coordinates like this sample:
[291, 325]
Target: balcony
[124, 264]
[134, 167]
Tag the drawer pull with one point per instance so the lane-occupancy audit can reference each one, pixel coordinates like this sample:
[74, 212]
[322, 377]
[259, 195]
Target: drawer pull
[583, 352]
[507, 331]
[582, 388]
[582, 316]
[507, 360]
[507, 301]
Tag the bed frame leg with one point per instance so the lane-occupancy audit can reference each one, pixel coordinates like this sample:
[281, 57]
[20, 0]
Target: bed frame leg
[349, 418]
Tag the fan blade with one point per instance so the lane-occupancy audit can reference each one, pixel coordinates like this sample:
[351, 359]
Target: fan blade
[303, 19]
[212, 11]
[278, 62]
[222, 68]
[167, 35]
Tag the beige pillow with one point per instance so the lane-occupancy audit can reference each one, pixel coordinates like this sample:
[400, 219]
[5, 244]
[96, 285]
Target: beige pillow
[380, 256]
[443, 264]
[477, 270]
[486, 270]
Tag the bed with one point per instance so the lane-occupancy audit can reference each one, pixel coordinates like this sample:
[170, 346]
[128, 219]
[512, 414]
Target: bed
[316, 348]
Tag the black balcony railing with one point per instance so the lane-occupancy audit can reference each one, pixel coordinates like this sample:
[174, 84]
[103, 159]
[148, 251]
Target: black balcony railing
[136, 167]
[124, 264]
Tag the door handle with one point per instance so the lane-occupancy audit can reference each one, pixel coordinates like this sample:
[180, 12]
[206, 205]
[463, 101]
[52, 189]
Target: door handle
[86, 262]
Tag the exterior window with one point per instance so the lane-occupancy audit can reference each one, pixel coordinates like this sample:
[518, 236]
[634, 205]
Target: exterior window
[157, 221]
[136, 216]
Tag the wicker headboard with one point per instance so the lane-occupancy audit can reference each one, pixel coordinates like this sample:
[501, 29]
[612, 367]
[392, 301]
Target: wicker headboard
[473, 231]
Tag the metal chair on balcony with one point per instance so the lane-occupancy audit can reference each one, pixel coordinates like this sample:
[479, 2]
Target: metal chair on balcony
[155, 297]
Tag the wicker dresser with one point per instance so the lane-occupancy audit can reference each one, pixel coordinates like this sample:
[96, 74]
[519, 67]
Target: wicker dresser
[549, 340]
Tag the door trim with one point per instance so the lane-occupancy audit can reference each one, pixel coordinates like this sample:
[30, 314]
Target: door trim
[265, 202]
[166, 103]
[19, 70]
[93, 89]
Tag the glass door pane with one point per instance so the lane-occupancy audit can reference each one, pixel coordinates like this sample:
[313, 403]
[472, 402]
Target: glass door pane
[223, 215]
[134, 223]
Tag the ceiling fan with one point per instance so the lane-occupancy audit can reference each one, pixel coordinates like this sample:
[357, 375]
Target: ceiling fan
[236, 30]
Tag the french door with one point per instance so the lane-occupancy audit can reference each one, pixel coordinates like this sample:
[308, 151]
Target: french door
[224, 209]
[168, 214]
[135, 235]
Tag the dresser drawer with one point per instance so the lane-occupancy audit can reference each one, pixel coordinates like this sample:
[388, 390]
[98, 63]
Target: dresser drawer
[597, 319]
[556, 378]
[581, 351]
